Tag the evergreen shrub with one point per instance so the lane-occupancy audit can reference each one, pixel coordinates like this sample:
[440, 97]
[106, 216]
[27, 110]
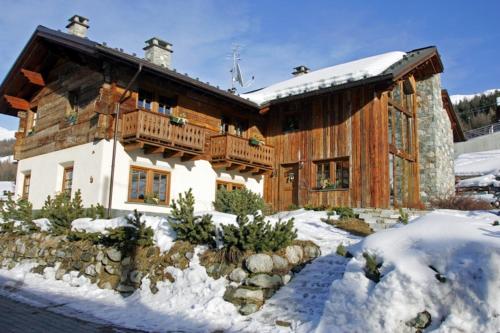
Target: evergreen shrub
[62, 210]
[258, 235]
[191, 228]
[239, 202]
[20, 210]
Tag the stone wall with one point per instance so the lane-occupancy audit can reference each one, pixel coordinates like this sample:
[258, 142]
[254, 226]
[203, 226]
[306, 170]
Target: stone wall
[109, 267]
[435, 141]
[256, 277]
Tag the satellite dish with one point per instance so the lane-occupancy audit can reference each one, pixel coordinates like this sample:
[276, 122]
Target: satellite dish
[236, 72]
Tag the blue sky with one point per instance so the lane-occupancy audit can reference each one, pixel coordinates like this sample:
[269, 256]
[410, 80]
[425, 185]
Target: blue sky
[276, 35]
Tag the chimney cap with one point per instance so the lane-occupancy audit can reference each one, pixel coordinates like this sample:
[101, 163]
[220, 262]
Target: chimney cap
[155, 41]
[301, 69]
[78, 19]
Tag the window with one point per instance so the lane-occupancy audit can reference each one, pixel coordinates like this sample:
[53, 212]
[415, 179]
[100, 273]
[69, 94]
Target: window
[229, 186]
[145, 100]
[401, 112]
[74, 99]
[224, 125]
[332, 174]
[290, 123]
[67, 184]
[149, 186]
[240, 127]
[166, 105]
[26, 186]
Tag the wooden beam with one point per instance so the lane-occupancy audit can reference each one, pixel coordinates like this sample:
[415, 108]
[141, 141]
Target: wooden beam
[189, 157]
[249, 168]
[133, 146]
[262, 172]
[33, 77]
[172, 153]
[153, 150]
[234, 166]
[264, 110]
[220, 165]
[17, 103]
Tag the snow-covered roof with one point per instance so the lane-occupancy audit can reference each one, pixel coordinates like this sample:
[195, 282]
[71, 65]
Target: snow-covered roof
[327, 77]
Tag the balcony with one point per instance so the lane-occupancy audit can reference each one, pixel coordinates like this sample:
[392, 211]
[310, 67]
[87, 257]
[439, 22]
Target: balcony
[235, 153]
[156, 133]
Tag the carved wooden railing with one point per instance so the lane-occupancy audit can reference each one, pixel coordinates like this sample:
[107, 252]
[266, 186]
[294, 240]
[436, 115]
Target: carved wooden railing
[228, 147]
[147, 126]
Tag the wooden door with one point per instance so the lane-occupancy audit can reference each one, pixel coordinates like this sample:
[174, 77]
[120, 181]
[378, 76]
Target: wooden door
[289, 189]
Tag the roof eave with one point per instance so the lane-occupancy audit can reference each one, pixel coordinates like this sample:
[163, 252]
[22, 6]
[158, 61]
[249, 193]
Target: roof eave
[347, 85]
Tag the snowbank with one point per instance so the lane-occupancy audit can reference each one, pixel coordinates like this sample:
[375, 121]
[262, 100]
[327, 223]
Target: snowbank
[487, 180]
[194, 302]
[327, 77]
[478, 163]
[462, 246]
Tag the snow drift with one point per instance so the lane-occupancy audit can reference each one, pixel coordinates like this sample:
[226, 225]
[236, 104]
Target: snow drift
[463, 247]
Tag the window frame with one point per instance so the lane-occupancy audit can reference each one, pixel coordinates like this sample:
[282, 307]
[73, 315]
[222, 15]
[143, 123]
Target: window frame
[66, 170]
[150, 172]
[26, 186]
[334, 165]
[230, 185]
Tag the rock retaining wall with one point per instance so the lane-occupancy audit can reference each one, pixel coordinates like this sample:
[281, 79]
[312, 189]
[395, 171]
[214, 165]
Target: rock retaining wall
[258, 276]
[109, 267]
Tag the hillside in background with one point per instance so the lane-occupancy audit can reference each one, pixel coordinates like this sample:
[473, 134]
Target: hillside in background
[7, 168]
[476, 110]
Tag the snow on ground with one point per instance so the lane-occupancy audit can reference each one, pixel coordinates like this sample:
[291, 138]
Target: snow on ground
[6, 134]
[326, 77]
[463, 246]
[9, 159]
[487, 180]
[331, 294]
[455, 99]
[194, 302]
[478, 163]
[6, 187]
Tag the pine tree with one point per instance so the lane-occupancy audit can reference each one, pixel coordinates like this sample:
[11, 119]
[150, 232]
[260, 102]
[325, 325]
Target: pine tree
[188, 227]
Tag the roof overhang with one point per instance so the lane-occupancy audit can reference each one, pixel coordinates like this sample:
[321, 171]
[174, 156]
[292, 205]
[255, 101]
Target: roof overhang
[458, 133]
[95, 50]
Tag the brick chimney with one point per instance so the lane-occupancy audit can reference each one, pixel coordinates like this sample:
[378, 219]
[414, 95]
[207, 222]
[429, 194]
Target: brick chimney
[300, 70]
[78, 26]
[158, 52]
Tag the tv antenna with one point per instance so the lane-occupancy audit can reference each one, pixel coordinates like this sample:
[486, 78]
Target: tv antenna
[236, 73]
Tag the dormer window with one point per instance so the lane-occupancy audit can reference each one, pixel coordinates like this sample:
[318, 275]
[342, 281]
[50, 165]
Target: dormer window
[145, 100]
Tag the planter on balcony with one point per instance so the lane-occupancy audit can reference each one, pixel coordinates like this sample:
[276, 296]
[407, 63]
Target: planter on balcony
[256, 142]
[178, 120]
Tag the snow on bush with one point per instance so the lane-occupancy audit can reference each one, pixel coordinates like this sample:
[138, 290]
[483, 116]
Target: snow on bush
[446, 262]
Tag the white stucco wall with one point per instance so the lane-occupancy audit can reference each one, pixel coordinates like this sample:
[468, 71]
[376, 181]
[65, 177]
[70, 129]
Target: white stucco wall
[94, 160]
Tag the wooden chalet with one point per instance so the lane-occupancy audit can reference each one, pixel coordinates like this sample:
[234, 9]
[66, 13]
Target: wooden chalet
[351, 143]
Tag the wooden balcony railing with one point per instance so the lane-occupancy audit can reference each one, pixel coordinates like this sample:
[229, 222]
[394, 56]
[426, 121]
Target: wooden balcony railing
[230, 148]
[157, 129]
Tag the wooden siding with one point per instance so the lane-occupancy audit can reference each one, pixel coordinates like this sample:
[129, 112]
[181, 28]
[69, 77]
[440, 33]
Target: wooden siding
[348, 124]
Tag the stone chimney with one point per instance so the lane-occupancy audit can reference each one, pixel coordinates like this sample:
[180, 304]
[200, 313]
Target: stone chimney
[78, 26]
[158, 52]
[300, 70]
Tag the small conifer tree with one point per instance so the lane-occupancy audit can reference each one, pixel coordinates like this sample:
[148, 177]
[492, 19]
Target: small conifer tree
[188, 227]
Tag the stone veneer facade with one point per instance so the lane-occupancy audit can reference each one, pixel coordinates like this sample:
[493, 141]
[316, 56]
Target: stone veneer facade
[435, 141]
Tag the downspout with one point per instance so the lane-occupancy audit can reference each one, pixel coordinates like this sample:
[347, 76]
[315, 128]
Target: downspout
[115, 137]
